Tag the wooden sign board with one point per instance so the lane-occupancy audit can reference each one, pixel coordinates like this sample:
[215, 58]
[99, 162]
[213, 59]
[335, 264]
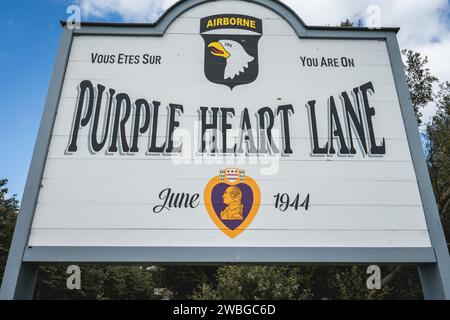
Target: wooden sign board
[229, 132]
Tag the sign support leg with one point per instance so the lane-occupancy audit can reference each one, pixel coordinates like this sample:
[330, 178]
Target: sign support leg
[20, 277]
[434, 285]
[20, 285]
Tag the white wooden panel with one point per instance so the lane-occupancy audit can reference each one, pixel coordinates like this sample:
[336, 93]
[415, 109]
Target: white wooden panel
[213, 238]
[396, 149]
[143, 191]
[371, 48]
[137, 216]
[181, 71]
[368, 53]
[139, 169]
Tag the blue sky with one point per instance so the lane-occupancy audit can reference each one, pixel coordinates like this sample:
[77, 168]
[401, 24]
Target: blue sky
[30, 32]
[30, 35]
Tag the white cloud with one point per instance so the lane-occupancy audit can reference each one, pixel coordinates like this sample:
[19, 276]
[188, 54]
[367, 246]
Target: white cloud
[129, 10]
[424, 24]
[420, 20]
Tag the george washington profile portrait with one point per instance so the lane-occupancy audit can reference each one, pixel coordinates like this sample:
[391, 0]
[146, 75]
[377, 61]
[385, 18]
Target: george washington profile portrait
[235, 209]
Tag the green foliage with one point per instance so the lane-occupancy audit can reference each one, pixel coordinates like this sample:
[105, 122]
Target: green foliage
[124, 283]
[420, 81]
[299, 283]
[97, 282]
[350, 283]
[256, 283]
[346, 24]
[438, 159]
[181, 281]
[9, 209]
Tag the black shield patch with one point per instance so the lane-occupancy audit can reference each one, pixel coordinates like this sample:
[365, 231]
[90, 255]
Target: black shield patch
[231, 56]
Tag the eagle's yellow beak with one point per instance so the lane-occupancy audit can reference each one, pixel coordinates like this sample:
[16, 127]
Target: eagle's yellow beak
[217, 49]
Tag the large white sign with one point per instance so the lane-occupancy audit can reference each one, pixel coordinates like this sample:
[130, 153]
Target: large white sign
[229, 131]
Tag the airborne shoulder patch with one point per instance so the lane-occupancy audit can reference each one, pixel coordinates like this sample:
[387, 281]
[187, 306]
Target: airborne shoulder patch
[231, 48]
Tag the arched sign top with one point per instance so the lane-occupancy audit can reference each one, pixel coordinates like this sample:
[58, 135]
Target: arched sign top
[159, 27]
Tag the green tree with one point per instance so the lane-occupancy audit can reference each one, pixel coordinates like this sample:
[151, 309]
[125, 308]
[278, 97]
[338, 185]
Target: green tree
[420, 81]
[293, 283]
[346, 24]
[438, 158]
[9, 209]
[256, 283]
[181, 281]
[97, 282]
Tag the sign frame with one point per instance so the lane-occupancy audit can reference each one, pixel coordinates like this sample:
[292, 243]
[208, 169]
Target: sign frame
[22, 265]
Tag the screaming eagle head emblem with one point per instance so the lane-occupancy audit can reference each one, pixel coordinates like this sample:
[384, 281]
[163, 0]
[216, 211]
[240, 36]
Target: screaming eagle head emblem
[231, 55]
[237, 59]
